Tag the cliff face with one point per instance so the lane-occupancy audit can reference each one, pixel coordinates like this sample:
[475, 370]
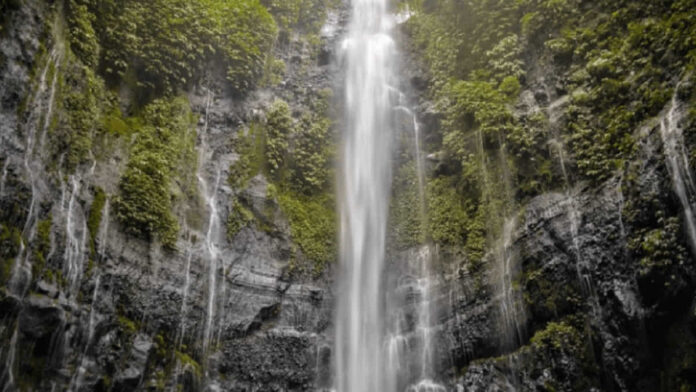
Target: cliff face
[87, 305]
[586, 278]
[546, 275]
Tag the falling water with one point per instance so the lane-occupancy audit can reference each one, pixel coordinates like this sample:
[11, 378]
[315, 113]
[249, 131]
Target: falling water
[582, 265]
[512, 314]
[212, 253]
[8, 376]
[103, 235]
[424, 325]
[184, 298]
[365, 182]
[40, 105]
[77, 380]
[75, 236]
[213, 233]
[3, 179]
[424, 282]
[678, 166]
[32, 126]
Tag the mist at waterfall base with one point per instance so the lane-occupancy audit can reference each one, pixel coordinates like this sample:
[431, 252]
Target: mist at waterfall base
[372, 337]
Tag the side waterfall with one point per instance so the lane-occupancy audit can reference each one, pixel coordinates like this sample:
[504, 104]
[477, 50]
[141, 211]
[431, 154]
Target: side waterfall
[678, 166]
[364, 184]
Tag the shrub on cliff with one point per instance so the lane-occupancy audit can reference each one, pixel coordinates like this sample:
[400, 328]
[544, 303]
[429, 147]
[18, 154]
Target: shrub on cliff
[162, 151]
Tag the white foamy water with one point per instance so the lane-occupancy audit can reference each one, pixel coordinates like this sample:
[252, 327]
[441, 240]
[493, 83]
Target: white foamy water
[364, 184]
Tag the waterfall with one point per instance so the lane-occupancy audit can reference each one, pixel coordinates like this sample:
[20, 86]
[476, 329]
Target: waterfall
[75, 237]
[510, 302]
[79, 376]
[678, 166]
[184, 298]
[418, 290]
[210, 188]
[364, 184]
[212, 252]
[103, 235]
[41, 104]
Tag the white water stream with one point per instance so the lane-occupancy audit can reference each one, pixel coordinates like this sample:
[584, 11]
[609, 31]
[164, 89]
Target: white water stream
[75, 237]
[41, 105]
[678, 166]
[376, 348]
[364, 184]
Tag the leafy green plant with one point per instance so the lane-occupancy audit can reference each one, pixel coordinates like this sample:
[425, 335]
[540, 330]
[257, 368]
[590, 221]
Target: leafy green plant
[163, 150]
[279, 127]
[312, 226]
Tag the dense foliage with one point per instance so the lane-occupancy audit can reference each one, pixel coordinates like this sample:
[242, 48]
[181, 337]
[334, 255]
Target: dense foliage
[296, 155]
[616, 62]
[165, 45]
[163, 149]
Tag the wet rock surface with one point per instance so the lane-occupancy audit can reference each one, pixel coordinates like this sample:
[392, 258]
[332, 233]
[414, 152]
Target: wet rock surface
[139, 304]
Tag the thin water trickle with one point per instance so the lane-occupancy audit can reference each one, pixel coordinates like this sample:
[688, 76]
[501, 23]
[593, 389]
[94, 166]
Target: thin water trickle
[78, 379]
[51, 98]
[678, 166]
[424, 326]
[582, 266]
[75, 236]
[3, 179]
[510, 303]
[184, 298]
[103, 236]
[364, 183]
[32, 164]
[213, 231]
[212, 253]
[9, 376]
[39, 105]
[621, 203]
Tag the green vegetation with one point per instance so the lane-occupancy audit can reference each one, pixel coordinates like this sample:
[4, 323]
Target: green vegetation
[279, 126]
[615, 65]
[163, 152]
[312, 226]
[81, 105]
[559, 337]
[305, 15]
[163, 46]
[94, 219]
[310, 168]
[128, 326]
[82, 37]
[295, 155]
[616, 60]
[448, 217]
[406, 224]
[42, 245]
[250, 147]
[238, 218]
[10, 243]
[189, 363]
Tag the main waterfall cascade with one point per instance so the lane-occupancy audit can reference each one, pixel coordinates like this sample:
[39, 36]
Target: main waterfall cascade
[364, 184]
[371, 338]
